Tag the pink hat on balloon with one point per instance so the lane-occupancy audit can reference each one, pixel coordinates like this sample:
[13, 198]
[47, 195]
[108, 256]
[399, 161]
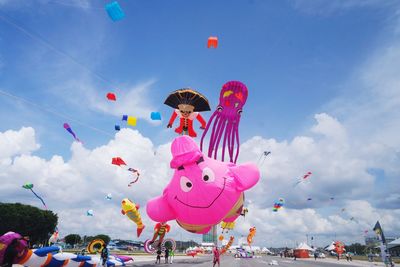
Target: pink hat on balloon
[184, 151]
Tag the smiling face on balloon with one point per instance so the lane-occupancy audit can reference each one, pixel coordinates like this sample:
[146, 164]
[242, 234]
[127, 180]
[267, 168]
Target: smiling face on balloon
[200, 187]
[203, 191]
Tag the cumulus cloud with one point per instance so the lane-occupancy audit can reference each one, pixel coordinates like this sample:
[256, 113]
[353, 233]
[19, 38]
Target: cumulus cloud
[17, 142]
[71, 187]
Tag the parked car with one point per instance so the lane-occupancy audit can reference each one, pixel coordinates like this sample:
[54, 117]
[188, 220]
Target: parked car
[321, 255]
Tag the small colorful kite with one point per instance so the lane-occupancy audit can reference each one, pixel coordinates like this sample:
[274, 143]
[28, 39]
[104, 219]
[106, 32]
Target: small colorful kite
[155, 116]
[30, 187]
[212, 42]
[114, 10]
[303, 179]
[227, 246]
[278, 205]
[68, 128]
[250, 236]
[111, 97]
[226, 226]
[263, 157]
[120, 162]
[131, 121]
[131, 210]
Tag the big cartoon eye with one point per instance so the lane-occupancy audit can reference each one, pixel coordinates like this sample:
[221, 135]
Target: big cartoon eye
[186, 184]
[239, 111]
[219, 108]
[208, 175]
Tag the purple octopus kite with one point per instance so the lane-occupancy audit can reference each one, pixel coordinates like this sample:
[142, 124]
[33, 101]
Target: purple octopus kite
[225, 121]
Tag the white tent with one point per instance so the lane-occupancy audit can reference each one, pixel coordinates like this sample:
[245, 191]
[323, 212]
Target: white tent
[394, 243]
[305, 246]
[330, 247]
[265, 250]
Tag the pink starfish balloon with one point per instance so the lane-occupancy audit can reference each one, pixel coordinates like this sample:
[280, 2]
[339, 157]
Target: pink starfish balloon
[203, 191]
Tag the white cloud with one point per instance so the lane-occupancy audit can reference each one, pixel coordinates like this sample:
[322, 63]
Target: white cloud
[70, 187]
[133, 101]
[17, 142]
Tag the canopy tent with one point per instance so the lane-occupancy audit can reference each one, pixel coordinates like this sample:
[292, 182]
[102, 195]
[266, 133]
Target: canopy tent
[394, 243]
[305, 247]
[265, 250]
[330, 247]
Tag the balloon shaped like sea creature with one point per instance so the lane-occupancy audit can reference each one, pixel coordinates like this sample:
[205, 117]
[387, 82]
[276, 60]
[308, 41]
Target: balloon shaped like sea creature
[203, 191]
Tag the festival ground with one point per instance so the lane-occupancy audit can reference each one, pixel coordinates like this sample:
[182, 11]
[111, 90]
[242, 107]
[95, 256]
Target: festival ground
[206, 261]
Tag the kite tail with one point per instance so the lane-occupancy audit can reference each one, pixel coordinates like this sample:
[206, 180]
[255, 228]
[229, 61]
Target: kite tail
[298, 182]
[41, 199]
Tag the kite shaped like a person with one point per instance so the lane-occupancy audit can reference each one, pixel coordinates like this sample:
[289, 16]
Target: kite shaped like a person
[160, 229]
[187, 104]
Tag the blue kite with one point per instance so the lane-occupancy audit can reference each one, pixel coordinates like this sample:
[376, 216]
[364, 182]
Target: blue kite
[114, 10]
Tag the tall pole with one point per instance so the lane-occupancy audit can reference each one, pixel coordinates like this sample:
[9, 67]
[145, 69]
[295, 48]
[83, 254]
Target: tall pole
[214, 235]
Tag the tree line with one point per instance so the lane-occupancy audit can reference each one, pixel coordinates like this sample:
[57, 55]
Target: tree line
[37, 224]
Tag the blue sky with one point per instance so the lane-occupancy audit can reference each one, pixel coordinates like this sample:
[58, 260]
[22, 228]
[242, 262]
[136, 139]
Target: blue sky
[321, 76]
[293, 62]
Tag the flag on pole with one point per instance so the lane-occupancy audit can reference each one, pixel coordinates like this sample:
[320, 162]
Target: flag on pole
[378, 230]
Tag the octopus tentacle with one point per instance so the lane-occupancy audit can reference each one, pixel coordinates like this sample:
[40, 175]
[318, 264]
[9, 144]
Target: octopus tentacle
[206, 129]
[228, 131]
[213, 133]
[231, 144]
[220, 131]
[237, 141]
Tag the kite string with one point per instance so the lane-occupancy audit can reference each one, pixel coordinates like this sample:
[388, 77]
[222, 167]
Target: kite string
[53, 48]
[77, 6]
[54, 112]
[57, 114]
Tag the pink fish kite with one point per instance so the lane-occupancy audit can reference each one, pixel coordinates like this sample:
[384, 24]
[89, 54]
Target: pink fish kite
[203, 191]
